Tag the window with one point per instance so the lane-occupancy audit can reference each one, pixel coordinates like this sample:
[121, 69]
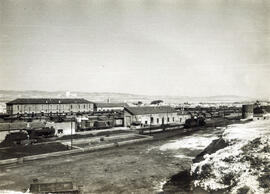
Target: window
[168, 119]
[79, 106]
[71, 106]
[173, 119]
[145, 122]
[152, 119]
[157, 120]
[84, 106]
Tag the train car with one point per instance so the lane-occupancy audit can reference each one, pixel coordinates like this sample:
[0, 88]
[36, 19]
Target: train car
[95, 122]
[103, 124]
[41, 132]
[194, 122]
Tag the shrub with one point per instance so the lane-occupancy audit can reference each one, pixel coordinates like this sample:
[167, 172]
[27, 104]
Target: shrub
[243, 190]
[228, 179]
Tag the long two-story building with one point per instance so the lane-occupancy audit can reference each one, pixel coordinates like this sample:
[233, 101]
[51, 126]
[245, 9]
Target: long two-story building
[48, 106]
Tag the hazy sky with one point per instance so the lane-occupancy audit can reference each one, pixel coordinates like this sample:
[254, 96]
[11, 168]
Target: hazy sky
[159, 47]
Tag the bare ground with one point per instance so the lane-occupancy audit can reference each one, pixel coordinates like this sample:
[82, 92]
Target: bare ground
[130, 169]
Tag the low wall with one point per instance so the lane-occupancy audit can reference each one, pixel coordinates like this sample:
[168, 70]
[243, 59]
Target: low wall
[134, 141]
[147, 130]
[9, 161]
[53, 154]
[96, 139]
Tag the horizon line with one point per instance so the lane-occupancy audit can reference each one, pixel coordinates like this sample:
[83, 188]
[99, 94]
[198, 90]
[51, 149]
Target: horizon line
[125, 93]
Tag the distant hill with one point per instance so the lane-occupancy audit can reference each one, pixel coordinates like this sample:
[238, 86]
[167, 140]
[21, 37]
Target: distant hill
[7, 95]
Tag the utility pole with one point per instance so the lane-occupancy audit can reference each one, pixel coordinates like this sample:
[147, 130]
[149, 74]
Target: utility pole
[150, 125]
[71, 135]
[224, 115]
[164, 127]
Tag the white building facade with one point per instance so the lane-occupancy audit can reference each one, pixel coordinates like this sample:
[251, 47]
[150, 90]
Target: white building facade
[151, 115]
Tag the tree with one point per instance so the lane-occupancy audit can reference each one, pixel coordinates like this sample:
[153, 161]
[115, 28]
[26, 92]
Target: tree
[157, 102]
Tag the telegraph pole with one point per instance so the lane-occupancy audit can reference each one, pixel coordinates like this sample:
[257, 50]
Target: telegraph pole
[150, 125]
[224, 117]
[71, 135]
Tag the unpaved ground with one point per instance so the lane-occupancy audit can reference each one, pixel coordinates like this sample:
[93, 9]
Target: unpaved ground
[132, 169]
[137, 168]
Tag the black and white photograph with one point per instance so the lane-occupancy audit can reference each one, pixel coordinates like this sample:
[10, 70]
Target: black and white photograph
[134, 96]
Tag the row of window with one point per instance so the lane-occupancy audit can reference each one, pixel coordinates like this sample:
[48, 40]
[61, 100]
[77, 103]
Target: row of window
[57, 107]
[162, 121]
[50, 113]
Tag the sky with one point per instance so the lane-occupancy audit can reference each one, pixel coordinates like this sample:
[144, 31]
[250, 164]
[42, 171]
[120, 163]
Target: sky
[153, 47]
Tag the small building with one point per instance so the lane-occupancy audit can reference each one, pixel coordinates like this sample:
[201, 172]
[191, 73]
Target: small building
[103, 107]
[48, 105]
[150, 115]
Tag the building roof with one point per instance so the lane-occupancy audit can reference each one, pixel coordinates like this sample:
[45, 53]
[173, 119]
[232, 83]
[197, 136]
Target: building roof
[150, 110]
[110, 105]
[49, 101]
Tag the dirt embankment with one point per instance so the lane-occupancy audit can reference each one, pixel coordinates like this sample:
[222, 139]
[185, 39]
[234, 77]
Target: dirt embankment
[179, 183]
[182, 181]
[245, 172]
[212, 148]
[236, 163]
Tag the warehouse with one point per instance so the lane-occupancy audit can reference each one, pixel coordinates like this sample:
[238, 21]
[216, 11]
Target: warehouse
[150, 115]
[48, 105]
[101, 107]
